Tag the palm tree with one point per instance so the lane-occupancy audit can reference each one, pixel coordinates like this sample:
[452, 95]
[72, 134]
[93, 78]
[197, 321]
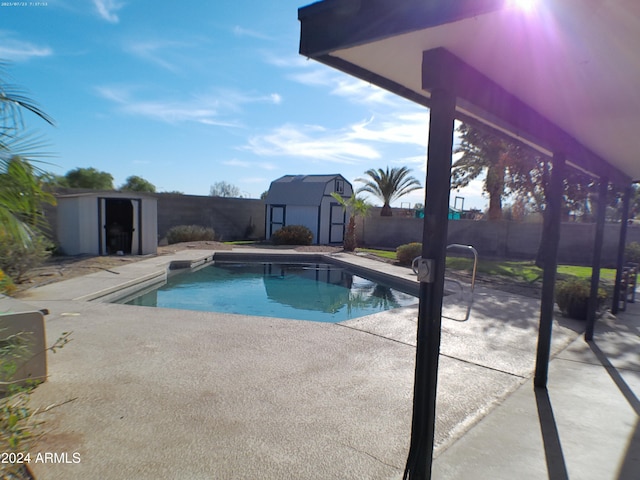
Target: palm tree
[356, 207]
[388, 185]
[21, 182]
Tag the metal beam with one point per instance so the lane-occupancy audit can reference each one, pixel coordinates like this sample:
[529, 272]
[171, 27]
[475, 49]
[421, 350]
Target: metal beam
[626, 200]
[597, 254]
[434, 245]
[550, 241]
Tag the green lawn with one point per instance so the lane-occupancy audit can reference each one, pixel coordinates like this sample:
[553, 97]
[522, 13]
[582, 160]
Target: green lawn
[522, 271]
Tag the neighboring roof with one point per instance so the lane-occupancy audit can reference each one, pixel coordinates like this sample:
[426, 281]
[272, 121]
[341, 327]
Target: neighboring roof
[300, 189]
[564, 75]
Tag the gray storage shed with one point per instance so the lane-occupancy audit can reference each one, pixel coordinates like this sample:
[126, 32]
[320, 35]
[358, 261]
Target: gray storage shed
[103, 223]
[306, 200]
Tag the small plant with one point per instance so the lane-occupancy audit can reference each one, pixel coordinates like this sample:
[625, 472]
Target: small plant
[292, 235]
[17, 258]
[17, 422]
[406, 253]
[190, 233]
[6, 284]
[572, 297]
[632, 252]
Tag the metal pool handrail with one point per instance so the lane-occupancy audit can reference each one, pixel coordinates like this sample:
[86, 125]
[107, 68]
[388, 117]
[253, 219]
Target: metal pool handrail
[454, 246]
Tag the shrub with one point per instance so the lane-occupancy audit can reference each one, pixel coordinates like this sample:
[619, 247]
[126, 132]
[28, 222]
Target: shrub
[16, 258]
[189, 233]
[292, 235]
[632, 252]
[18, 427]
[572, 297]
[6, 284]
[406, 253]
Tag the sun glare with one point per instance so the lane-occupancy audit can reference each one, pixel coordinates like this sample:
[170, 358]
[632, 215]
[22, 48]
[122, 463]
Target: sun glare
[525, 5]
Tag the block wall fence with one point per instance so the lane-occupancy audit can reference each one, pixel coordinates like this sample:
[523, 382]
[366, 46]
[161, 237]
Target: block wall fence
[242, 218]
[513, 240]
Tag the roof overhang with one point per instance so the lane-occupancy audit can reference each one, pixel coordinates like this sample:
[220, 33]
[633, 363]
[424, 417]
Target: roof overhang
[562, 77]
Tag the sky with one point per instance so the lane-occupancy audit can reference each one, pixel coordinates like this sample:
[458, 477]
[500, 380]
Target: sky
[187, 94]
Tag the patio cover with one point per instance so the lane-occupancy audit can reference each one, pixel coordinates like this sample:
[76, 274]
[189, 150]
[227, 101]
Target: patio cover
[567, 70]
[561, 76]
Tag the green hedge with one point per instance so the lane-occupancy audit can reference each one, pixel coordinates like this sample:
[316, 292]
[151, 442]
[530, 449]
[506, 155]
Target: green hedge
[573, 295]
[406, 253]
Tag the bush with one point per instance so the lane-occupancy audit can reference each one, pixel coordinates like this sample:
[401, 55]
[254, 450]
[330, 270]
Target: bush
[292, 235]
[16, 258]
[632, 252]
[6, 284]
[190, 233]
[406, 253]
[572, 297]
[18, 427]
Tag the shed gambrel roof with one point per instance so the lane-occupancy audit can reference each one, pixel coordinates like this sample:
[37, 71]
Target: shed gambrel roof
[300, 189]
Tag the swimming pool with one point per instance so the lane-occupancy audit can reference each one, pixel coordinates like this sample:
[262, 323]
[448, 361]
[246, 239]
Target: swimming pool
[304, 291]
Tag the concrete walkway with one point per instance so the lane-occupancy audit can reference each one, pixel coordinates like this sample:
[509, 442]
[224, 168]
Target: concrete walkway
[146, 393]
[586, 425]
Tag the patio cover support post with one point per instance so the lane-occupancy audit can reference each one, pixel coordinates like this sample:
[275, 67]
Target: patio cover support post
[551, 239]
[626, 200]
[597, 254]
[434, 246]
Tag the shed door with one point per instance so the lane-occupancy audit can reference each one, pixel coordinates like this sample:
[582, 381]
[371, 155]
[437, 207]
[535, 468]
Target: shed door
[336, 221]
[277, 218]
[119, 225]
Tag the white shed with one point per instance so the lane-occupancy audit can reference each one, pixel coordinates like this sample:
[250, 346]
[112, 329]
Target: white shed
[306, 200]
[104, 223]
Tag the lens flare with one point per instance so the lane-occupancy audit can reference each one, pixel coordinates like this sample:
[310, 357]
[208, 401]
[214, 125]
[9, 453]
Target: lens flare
[525, 5]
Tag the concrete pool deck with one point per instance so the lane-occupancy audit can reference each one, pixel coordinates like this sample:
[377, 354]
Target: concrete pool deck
[153, 393]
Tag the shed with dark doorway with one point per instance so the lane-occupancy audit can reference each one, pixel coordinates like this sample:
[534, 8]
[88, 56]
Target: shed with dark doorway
[306, 200]
[107, 223]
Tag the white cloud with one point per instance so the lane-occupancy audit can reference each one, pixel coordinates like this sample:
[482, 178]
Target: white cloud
[20, 51]
[276, 98]
[315, 143]
[108, 9]
[245, 164]
[286, 61]
[245, 32]
[215, 109]
[339, 84]
[358, 91]
[350, 144]
[408, 128]
[168, 111]
[155, 51]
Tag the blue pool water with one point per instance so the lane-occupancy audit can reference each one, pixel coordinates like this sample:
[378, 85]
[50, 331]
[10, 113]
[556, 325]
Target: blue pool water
[318, 292]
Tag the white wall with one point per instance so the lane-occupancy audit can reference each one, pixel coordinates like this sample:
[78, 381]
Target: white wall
[88, 226]
[149, 226]
[303, 215]
[68, 225]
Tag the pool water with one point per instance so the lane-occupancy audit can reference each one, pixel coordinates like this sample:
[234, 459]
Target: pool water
[318, 292]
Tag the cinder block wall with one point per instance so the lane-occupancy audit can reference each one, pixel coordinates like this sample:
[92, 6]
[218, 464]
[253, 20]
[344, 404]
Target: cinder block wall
[231, 218]
[497, 239]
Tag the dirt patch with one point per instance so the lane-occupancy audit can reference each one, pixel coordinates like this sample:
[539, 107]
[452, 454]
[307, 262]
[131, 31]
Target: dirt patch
[59, 268]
